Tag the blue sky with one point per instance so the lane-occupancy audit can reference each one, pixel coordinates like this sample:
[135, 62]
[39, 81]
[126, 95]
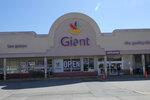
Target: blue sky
[39, 15]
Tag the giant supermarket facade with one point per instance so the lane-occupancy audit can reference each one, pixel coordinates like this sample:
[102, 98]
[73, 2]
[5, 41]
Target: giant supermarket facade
[74, 46]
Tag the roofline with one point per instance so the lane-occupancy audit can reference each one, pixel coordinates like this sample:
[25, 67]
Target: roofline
[131, 30]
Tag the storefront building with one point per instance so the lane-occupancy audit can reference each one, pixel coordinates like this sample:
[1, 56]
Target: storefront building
[74, 47]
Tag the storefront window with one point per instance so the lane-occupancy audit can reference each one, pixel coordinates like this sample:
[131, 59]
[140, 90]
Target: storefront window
[1, 66]
[100, 65]
[49, 66]
[88, 64]
[13, 66]
[71, 65]
[101, 59]
[36, 66]
[25, 65]
[31, 66]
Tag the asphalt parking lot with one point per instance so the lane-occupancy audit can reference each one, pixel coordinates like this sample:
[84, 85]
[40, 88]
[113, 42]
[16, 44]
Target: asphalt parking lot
[75, 89]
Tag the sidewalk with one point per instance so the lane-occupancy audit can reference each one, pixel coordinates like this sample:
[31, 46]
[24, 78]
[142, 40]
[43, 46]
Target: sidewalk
[126, 78]
[88, 78]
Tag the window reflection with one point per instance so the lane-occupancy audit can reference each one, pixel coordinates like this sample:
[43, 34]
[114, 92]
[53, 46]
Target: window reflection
[24, 65]
[88, 64]
[1, 66]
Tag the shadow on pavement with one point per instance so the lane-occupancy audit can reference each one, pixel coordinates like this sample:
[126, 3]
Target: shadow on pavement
[28, 84]
[10, 85]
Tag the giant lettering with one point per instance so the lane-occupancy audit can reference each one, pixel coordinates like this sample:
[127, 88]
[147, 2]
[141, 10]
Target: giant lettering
[69, 41]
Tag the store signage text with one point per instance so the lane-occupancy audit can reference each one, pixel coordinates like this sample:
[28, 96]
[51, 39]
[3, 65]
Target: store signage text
[112, 52]
[137, 42]
[70, 41]
[17, 46]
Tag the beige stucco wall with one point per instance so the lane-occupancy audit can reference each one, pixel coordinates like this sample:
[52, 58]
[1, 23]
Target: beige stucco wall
[35, 43]
[116, 40]
[40, 43]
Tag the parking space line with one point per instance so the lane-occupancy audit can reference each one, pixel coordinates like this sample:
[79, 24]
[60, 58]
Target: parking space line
[142, 92]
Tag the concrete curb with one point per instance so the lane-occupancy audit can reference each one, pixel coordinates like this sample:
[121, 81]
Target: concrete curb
[109, 78]
[50, 78]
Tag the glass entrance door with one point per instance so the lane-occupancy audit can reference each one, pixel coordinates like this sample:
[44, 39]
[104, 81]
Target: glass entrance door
[113, 69]
[100, 66]
[114, 65]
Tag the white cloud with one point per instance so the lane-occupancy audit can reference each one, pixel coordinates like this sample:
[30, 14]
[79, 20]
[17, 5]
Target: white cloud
[97, 6]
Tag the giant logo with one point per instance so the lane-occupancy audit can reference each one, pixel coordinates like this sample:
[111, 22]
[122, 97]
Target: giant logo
[74, 28]
[70, 41]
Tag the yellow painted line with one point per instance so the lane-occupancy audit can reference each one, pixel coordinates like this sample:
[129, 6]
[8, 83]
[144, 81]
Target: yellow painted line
[142, 92]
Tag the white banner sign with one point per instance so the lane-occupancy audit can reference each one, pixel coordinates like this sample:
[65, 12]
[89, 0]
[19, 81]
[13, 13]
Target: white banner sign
[58, 65]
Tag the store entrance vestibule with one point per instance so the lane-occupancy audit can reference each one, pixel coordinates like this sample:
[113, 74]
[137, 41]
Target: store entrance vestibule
[113, 65]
